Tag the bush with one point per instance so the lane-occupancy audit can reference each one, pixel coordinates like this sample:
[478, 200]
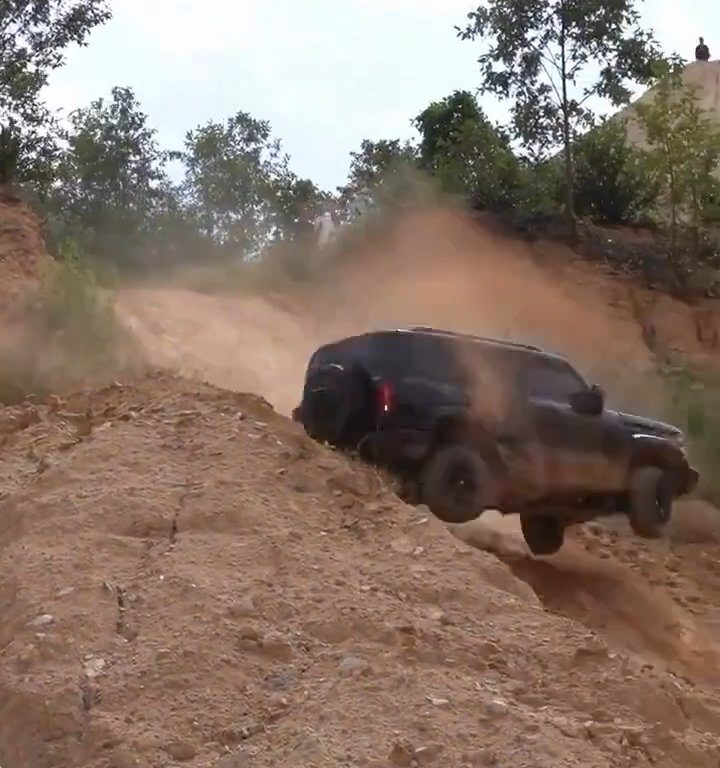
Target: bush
[64, 335]
[611, 183]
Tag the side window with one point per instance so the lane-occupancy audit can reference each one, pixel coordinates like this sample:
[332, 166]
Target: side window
[552, 381]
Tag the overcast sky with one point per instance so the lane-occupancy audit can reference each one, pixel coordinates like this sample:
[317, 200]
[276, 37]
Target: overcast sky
[325, 73]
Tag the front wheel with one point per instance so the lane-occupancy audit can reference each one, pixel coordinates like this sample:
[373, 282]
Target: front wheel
[544, 534]
[456, 484]
[651, 502]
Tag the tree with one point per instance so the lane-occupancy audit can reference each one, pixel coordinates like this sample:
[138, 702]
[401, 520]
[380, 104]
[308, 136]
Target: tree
[537, 53]
[611, 180]
[297, 205]
[111, 182]
[467, 154]
[683, 155]
[33, 37]
[378, 171]
[232, 170]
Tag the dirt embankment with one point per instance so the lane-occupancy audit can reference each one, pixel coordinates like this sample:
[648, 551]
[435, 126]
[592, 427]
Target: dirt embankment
[186, 579]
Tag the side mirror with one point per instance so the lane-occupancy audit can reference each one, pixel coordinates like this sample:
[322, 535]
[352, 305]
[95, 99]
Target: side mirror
[589, 402]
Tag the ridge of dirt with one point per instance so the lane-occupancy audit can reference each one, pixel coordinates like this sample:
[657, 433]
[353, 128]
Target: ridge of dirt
[188, 580]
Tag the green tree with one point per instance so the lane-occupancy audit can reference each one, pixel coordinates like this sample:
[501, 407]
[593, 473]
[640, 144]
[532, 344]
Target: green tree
[611, 180]
[34, 35]
[553, 58]
[468, 154]
[297, 204]
[111, 184]
[230, 185]
[683, 156]
[379, 171]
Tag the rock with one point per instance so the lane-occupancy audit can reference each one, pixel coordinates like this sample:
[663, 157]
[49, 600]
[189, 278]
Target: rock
[353, 666]
[66, 591]
[497, 708]
[400, 755]
[243, 608]
[42, 621]
[277, 647]
[234, 760]
[94, 667]
[249, 633]
[123, 758]
[437, 702]
[402, 545]
[427, 755]
[182, 751]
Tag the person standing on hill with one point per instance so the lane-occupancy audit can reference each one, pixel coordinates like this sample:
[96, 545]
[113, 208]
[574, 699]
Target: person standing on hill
[702, 52]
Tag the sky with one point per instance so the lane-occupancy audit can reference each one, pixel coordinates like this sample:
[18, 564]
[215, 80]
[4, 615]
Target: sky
[325, 73]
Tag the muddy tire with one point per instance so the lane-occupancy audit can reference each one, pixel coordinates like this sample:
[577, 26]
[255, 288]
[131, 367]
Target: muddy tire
[333, 400]
[650, 502]
[456, 484]
[544, 534]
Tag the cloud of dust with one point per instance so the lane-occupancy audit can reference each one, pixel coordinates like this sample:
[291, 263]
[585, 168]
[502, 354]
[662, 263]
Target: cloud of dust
[441, 268]
[434, 266]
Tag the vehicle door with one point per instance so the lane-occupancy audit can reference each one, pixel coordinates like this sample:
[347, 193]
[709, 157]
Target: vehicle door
[572, 452]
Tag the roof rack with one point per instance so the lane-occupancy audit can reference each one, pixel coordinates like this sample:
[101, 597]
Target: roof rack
[473, 337]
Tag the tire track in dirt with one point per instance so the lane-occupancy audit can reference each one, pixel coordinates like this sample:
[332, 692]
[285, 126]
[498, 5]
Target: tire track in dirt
[633, 614]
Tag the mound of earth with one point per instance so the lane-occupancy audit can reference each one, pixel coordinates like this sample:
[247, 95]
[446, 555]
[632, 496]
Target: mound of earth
[186, 579]
[23, 254]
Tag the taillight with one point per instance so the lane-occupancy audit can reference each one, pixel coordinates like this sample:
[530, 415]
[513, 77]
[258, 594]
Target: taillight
[385, 396]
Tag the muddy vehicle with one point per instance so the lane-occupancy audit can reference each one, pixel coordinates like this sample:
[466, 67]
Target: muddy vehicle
[470, 423]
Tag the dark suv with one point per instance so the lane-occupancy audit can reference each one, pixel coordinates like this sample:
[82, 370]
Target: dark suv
[471, 423]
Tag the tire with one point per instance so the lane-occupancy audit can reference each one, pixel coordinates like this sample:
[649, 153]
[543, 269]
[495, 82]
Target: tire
[650, 502]
[456, 484]
[334, 397]
[544, 534]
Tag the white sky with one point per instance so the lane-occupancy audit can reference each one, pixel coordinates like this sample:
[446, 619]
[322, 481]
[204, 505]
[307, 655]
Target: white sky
[325, 73]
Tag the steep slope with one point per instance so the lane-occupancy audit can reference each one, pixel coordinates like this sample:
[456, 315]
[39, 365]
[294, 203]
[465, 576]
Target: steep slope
[186, 579]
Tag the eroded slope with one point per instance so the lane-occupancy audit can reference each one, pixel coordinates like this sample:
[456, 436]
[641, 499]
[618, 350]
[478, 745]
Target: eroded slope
[186, 579]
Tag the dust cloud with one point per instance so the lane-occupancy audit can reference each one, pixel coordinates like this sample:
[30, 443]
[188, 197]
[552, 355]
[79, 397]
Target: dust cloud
[434, 267]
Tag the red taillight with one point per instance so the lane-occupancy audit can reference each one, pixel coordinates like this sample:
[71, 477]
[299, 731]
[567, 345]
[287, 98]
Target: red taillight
[385, 396]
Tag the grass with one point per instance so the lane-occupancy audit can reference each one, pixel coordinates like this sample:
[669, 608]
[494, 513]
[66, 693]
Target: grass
[64, 334]
[693, 403]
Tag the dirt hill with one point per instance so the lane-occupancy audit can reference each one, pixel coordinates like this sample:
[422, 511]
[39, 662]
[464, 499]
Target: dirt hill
[186, 579]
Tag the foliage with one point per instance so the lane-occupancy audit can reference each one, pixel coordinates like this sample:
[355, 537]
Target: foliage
[33, 37]
[232, 170]
[467, 154]
[683, 156]
[378, 171]
[539, 52]
[611, 183]
[109, 189]
[66, 335]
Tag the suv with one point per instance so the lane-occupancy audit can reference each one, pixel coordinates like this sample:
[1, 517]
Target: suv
[471, 423]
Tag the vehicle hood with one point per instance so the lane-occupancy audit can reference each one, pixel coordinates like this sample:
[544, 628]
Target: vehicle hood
[649, 426]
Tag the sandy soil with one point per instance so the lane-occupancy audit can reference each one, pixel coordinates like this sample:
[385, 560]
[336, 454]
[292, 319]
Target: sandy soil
[189, 580]
[186, 579]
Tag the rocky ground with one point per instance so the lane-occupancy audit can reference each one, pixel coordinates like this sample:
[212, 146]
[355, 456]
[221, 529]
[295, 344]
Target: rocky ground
[187, 580]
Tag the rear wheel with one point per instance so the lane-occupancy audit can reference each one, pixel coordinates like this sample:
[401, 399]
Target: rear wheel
[544, 534]
[456, 484]
[651, 502]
